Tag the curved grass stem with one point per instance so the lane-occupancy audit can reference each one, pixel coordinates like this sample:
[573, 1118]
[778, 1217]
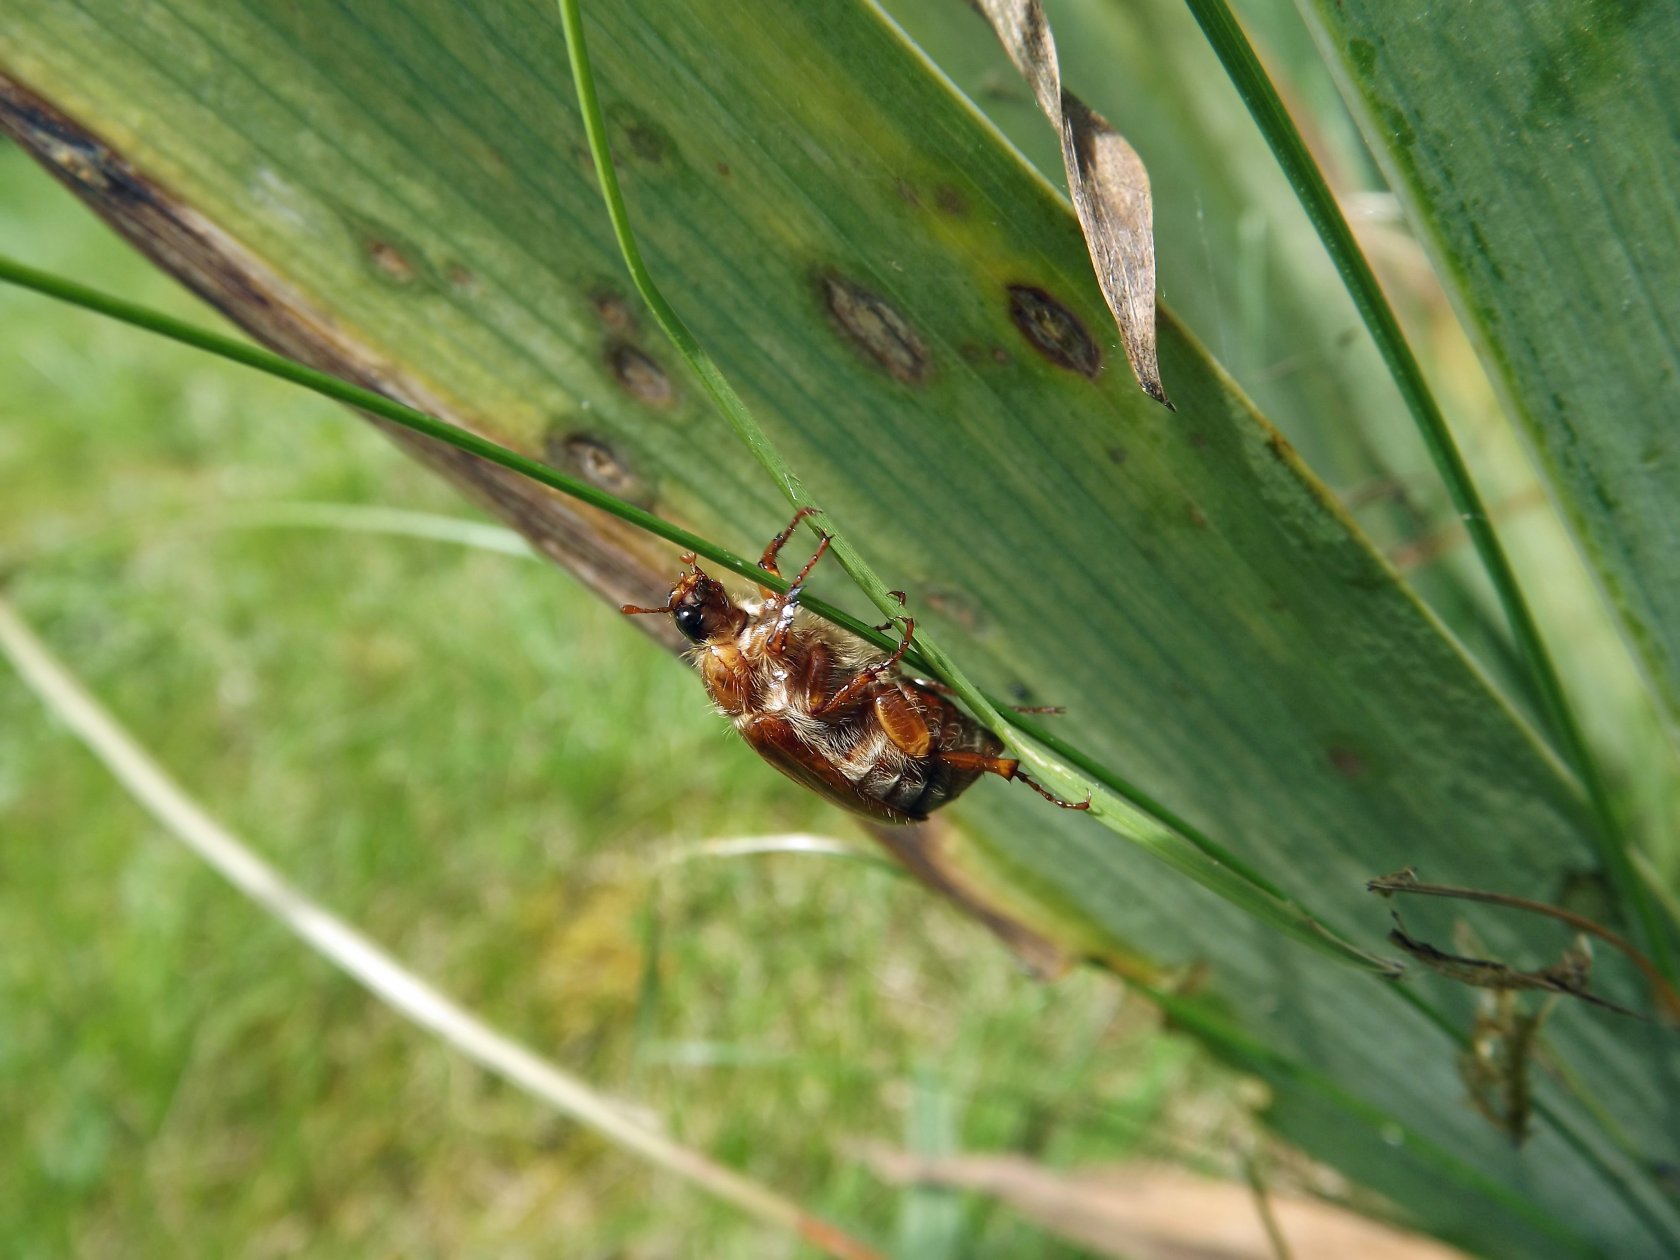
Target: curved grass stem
[1284, 138]
[1128, 810]
[243, 352]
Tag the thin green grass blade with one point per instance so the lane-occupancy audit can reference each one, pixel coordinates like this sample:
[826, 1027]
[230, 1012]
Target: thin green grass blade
[385, 979]
[1204, 862]
[1534, 150]
[1285, 139]
[328, 386]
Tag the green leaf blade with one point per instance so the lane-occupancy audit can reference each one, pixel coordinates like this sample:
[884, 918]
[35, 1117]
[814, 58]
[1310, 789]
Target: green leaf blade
[1218, 631]
[1535, 150]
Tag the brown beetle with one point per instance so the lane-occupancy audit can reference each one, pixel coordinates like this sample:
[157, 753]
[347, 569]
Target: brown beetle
[824, 707]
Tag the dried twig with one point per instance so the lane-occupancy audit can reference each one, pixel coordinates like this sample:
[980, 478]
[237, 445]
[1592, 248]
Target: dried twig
[1406, 881]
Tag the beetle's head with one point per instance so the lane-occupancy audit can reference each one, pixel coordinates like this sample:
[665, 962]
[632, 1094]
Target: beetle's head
[699, 605]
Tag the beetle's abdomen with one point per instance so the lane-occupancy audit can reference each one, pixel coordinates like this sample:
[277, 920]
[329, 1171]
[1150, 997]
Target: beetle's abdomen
[896, 761]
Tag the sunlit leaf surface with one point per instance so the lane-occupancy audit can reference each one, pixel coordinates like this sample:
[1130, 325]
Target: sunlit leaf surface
[911, 312]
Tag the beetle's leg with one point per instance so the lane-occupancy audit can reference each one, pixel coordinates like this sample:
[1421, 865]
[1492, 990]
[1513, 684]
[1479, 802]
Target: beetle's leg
[767, 561]
[903, 716]
[787, 605]
[933, 684]
[813, 679]
[1004, 767]
[857, 686]
[728, 680]
[1051, 797]
[888, 623]
[776, 644]
[822, 547]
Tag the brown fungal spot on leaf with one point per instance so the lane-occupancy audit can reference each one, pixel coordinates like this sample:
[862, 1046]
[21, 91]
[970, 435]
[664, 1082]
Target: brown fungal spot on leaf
[1345, 761]
[387, 255]
[643, 138]
[641, 377]
[950, 201]
[461, 278]
[1107, 182]
[389, 261]
[877, 329]
[955, 605]
[907, 192]
[614, 311]
[723, 169]
[595, 460]
[1053, 330]
[1198, 518]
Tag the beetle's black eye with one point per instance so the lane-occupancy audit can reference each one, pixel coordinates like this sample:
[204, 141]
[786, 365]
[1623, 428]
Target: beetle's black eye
[691, 622]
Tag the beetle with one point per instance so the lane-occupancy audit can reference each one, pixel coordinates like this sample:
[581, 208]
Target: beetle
[826, 708]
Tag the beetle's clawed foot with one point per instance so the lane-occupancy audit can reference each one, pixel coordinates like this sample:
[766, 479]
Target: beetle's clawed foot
[767, 561]
[1051, 797]
[891, 621]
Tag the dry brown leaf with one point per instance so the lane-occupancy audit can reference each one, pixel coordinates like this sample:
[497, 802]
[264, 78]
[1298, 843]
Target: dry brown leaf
[1150, 1212]
[1107, 180]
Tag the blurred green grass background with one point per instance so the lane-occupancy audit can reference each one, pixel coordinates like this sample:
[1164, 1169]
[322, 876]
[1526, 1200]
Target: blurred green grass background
[468, 756]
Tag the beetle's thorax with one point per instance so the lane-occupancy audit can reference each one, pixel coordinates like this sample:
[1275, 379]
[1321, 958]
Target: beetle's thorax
[766, 666]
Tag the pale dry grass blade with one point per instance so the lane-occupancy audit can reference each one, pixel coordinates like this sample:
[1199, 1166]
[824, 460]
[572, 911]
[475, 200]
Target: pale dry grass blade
[1149, 1212]
[372, 968]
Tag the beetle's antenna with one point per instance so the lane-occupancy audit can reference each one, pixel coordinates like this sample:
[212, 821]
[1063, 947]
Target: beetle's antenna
[633, 611]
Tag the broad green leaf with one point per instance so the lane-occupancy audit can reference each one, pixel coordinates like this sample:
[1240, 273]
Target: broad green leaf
[1534, 143]
[1240, 264]
[847, 236]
